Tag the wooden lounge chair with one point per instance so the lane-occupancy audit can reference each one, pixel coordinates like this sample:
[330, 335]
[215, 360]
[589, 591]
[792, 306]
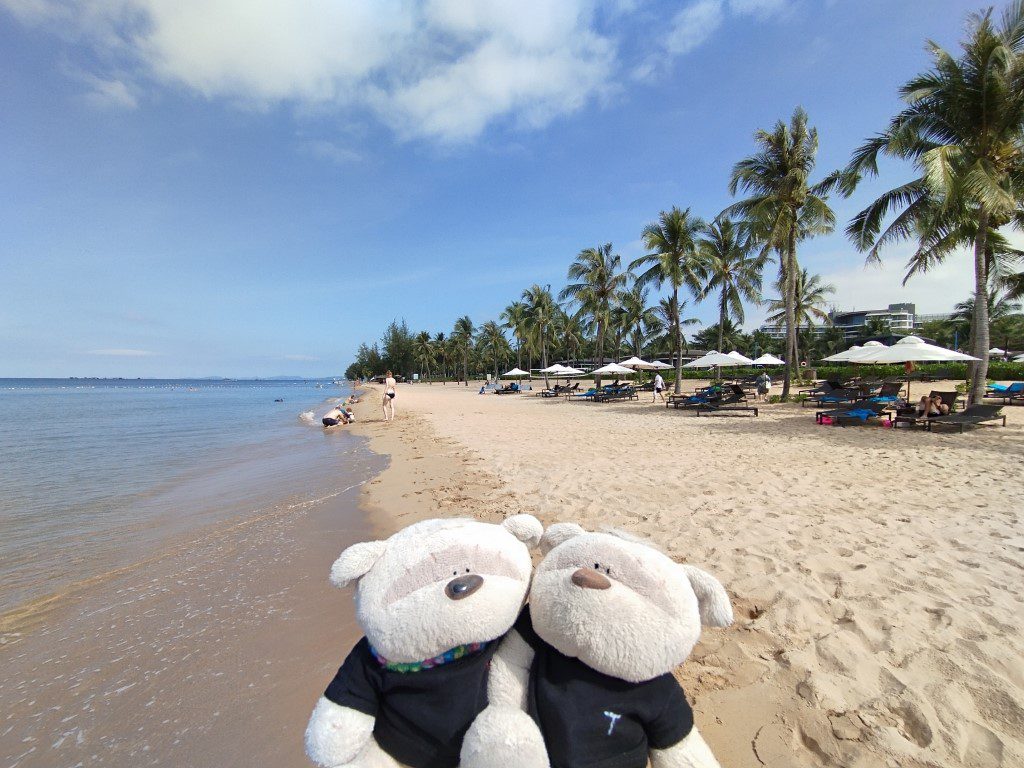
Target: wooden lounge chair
[734, 402]
[908, 415]
[972, 416]
[860, 411]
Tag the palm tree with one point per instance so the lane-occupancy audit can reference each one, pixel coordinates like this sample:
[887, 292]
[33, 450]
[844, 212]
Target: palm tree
[540, 312]
[999, 308]
[809, 303]
[568, 329]
[597, 284]
[441, 351]
[668, 315]
[514, 317]
[675, 259]
[424, 351]
[730, 269]
[493, 342]
[634, 316]
[963, 129]
[784, 207]
[462, 335]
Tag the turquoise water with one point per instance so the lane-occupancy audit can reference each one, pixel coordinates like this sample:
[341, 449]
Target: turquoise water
[99, 474]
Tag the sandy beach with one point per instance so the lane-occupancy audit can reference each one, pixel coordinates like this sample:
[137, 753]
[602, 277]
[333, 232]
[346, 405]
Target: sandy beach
[874, 572]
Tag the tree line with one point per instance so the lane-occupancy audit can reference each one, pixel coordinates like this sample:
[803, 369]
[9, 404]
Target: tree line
[961, 131]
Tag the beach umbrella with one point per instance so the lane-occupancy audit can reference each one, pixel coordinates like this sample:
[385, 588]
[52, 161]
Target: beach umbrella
[997, 351]
[744, 360]
[556, 368]
[769, 360]
[1019, 359]
[912, 349]
[657, 365]
[612, 369]
[515, 372]
[716, 360]
[842, 357]
[640, 365]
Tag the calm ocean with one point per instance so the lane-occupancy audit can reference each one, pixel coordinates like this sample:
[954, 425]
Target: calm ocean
[97, 475]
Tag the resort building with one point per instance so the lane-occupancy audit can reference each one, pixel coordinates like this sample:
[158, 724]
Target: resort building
[901, 318]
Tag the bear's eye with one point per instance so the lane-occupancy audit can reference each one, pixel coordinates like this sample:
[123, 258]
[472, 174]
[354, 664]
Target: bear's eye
[597, 566]
[608, 570]
[467, 570]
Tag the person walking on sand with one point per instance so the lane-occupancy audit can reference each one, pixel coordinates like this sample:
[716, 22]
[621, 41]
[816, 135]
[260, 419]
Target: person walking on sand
[764, 386]
[659, 388]
[389, 396]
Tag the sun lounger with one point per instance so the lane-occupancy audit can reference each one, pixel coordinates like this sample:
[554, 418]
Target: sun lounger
[1007, 393]
[836, 397]
[972, 416]
[889, 393]
[909, 415]
[588, 395]
[734, 396]
[861, 411]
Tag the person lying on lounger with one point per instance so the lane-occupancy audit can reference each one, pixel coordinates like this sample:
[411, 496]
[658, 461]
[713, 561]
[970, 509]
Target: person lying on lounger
[932, 406]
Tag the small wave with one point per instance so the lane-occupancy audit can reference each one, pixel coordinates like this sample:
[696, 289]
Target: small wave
[308, 417]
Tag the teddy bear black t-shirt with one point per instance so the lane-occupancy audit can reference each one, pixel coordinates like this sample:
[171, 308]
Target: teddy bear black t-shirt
[593, 720]
[422, 716]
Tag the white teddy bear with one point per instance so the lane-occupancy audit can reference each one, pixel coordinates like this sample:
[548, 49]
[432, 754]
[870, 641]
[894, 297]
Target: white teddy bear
[609, 618]
[433, 601]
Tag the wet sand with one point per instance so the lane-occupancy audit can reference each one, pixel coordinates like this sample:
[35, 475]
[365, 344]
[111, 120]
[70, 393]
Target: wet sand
[211, 654]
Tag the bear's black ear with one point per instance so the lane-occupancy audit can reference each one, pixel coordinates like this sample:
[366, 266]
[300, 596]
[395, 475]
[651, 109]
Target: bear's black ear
[715, 608]
[526, 528]
[356, 561]
[558, 533]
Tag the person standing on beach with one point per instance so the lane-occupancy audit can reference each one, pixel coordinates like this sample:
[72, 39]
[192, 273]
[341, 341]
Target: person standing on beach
[389, 396]
[659, 388]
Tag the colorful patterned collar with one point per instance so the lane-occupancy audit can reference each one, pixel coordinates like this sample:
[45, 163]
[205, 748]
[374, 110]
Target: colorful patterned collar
[456, 653]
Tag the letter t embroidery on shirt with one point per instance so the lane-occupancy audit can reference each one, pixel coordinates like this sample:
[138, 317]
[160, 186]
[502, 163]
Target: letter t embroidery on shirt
[613, 718]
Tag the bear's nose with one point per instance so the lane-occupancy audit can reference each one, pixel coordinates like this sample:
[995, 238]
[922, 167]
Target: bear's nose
[588, 578]
[464, 586]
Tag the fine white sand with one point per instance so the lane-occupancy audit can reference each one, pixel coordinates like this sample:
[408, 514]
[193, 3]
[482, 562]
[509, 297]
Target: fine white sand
[875, 573]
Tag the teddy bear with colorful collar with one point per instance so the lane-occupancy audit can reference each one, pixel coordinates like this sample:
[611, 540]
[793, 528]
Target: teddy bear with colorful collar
[433, 601]
[591, 660]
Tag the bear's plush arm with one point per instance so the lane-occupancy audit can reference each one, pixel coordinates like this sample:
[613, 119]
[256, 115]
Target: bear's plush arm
[503, 734]
[691, 752]
[336, 735]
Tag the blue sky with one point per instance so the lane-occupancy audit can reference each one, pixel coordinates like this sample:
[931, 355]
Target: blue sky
[255, 187]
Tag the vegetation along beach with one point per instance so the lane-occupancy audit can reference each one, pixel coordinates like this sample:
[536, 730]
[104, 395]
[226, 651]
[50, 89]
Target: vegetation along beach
[742, 280]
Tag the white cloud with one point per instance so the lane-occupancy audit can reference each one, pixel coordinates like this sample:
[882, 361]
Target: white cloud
[761, 8]
[121, 352]
[439, 69]
[444, 69]
[329, 150]
[693, 25]
[108, 93]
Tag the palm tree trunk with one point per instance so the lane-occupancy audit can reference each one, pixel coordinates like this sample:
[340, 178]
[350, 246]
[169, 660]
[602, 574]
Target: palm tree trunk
[979, 323]
[721, 322]
[465, 366]
[544, 355]
[600, 350]
[790, 301]
[677, 331]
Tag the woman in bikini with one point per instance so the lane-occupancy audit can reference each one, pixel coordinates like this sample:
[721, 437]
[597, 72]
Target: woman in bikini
[389, 396]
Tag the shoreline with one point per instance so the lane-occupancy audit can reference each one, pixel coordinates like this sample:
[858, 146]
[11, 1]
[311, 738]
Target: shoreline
[211, 652]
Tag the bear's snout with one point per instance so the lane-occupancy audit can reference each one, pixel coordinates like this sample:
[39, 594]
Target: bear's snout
[464, 586]
[588, 578]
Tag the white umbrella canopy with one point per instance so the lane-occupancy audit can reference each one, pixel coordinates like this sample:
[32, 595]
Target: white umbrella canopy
[556, 368]
[742, 358]
[1019, 359]
[636, 362]
[657, 365]
[514, 373]
[840, 357]
[997, 351]
[612, 369]
[569, 371]
[769, 360]
[912, 349]
[714, 360]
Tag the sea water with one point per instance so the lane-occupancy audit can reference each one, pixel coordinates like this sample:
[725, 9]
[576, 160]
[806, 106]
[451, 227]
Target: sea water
[98, 475]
